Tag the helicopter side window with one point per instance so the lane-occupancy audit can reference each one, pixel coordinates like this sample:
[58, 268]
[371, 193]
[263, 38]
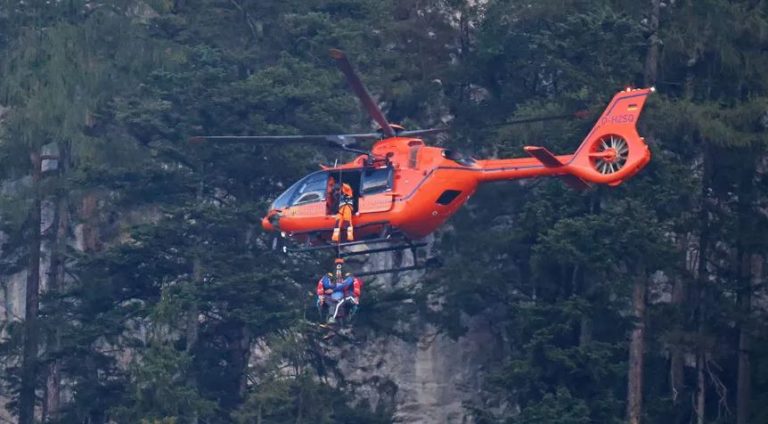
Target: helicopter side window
[309, 198]
[307, 190]
[376, 181]
[283, 200]
[311, 189]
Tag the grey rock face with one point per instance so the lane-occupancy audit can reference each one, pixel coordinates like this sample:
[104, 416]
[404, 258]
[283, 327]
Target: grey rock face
[426, 379]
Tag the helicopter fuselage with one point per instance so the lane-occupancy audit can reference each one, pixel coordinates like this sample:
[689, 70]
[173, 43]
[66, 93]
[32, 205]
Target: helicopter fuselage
[412, 188]
[419, 187]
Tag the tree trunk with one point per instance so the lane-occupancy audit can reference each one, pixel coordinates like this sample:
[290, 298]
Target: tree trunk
[701, 388]
[197, 280]
[636, 349]
[244, 354]
[585, 331]
[748, 269]
[652, 55]
[580, 282]
[701, 276]
[59, 237]
[677, 361]
[90, 222]
[743, 385]
[193, 327]
[637, 338]
[29, 356]
[192, 314]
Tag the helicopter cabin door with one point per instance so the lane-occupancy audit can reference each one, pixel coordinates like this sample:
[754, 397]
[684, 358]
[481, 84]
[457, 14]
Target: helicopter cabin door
[376, 190]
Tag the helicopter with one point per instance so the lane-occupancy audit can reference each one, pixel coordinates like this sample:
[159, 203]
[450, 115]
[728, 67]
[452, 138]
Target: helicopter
[403, 189]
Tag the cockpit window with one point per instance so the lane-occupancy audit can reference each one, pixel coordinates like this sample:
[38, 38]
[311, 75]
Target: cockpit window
[309, 198]
[282, 200]
[309, 189]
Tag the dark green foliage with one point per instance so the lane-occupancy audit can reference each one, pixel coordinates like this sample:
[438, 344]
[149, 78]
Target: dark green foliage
[159, 391]
[176, 310]
[555, 269]
[284, 400]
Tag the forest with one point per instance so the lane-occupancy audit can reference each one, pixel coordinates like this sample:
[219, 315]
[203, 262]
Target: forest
[139, 287]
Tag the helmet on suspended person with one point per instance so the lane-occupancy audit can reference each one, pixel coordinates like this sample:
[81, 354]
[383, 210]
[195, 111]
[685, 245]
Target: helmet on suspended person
[339, 264]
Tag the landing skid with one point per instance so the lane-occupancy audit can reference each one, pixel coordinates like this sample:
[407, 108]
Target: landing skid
[429, 263]
[394, 248]
[329, 246]
[397, 243]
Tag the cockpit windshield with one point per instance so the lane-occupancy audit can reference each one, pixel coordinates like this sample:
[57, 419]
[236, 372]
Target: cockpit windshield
[309, 189]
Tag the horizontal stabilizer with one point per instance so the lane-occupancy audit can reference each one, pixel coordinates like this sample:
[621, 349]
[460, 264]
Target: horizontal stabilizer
[543, 155]
[550, 161]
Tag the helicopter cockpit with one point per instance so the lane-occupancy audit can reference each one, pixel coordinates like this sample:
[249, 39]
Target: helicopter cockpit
[316, 187]
[309, 189]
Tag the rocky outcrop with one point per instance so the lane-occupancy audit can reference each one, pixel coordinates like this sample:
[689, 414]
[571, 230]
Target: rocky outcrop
[427, 381]
[427, 378]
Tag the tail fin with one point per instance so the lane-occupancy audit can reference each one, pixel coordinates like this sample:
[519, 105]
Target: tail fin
[613, 151]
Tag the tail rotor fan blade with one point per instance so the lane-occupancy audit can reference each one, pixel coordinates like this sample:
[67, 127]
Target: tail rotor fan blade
[610, 154]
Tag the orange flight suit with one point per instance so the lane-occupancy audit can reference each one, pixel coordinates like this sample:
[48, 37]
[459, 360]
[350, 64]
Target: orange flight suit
[346, 208]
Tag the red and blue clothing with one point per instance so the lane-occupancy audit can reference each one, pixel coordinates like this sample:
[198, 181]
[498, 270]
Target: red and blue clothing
[357, 287]
[350, 286]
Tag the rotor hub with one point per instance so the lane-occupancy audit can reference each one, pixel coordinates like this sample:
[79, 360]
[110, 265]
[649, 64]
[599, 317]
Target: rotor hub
[610, 153]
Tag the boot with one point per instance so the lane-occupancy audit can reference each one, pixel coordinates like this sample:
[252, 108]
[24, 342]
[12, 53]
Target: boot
[350, 234]
[335, 235]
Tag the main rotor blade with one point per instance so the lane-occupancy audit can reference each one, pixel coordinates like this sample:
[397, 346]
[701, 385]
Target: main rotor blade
[361, 92]
[581, 114]
[421, 132]
[341, 140]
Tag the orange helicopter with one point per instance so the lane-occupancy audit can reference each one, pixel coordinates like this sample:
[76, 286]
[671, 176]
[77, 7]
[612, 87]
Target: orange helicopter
[403, 190]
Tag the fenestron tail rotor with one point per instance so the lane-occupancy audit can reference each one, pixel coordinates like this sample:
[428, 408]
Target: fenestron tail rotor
[610, 154]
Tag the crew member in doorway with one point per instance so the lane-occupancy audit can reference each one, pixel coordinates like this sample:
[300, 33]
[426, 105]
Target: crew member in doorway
[344, 216]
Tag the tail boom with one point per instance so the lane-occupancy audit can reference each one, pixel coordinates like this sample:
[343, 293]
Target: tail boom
[611, 153]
